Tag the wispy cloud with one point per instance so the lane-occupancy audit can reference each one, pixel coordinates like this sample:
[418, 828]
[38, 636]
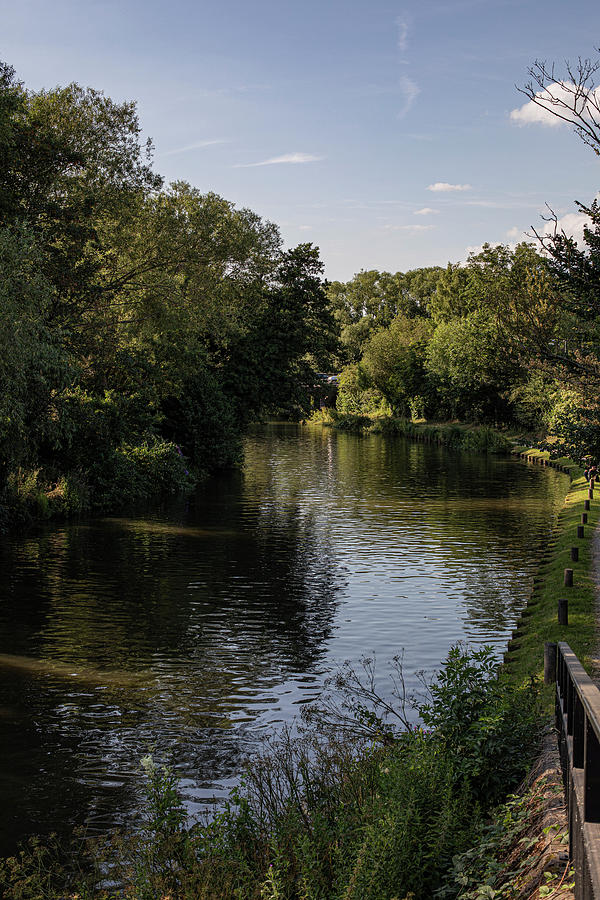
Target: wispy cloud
[410, 90]
[402, 26]
[287, 158]
[412, 229]
[199, 145]
[444, 187]
[426, 211]
[408, 87]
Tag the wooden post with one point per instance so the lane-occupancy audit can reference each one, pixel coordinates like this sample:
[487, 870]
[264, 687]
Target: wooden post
[563, 612]
[568, 577]
[591, 493]
[574, 554]
[584, 518]
[580, 531]
[549, 662]
[586, 504]
[591, 776]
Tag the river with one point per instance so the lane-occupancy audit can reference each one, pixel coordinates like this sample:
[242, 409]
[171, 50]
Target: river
[196, 630]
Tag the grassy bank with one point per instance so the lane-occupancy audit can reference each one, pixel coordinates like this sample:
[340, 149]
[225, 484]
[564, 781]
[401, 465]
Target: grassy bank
[539, 620]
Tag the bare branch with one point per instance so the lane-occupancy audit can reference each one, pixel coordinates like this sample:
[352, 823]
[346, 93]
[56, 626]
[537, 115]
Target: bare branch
[573, 98]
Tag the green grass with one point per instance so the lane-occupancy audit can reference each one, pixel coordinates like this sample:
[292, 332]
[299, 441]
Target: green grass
[539, 620]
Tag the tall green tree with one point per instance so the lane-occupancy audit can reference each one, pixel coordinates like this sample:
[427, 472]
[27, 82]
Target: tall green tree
[394, 362]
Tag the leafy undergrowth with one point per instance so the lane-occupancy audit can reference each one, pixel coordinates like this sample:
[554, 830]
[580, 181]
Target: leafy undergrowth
[522, 850]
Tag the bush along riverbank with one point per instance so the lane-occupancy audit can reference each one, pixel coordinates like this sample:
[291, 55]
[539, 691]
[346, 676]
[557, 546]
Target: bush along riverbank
[477, 438]
[120, 478]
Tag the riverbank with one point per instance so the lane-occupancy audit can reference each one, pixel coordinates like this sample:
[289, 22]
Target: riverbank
[477, 438]
[128, 477]
[526, 856]
[539, 620]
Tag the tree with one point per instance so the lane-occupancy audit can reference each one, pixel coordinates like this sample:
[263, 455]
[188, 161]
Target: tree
[291, 337]
[372, 299]
[135, 317]
[394, 361]
[573, 97]
[31, 364]
[574, 349]
[471, 368]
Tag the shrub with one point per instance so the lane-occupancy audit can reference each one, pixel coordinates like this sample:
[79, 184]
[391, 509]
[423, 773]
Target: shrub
[133, 474]
[488, 727]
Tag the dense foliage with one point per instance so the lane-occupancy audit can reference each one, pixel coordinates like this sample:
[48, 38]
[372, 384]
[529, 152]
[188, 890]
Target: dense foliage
[143, 326]
[450, 343]
[509, 338]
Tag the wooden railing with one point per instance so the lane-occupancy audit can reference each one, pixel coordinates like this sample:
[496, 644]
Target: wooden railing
[578, 723]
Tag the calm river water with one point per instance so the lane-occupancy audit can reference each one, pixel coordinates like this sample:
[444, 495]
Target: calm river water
[197, 630]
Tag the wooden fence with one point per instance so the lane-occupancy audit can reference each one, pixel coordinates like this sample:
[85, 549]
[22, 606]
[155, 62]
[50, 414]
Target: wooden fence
[578, 723]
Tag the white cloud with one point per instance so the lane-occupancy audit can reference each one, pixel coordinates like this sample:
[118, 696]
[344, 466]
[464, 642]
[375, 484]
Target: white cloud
[289, 158]
[410, 90]
[572, 225]
[199, 145]
[426, 211]
[305, 227]
[557, 98]
[515, 233]
[443, 186]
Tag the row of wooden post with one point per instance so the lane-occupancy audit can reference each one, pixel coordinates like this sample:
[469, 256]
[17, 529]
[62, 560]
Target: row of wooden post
[563, 603]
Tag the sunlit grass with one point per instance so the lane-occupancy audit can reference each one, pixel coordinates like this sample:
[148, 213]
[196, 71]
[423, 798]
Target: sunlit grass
[539, 621]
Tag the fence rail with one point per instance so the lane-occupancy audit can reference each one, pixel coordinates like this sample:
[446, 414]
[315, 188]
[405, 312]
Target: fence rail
[578, 723]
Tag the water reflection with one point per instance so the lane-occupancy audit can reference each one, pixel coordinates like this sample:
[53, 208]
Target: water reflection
[196, 629]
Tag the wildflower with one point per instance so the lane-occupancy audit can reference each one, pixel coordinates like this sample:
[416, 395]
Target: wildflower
[148, 765]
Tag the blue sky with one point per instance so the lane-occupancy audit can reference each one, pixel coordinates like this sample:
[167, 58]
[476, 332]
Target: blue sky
[335, 119]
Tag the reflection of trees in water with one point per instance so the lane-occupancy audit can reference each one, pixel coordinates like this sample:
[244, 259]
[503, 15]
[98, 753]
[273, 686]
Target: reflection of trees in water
[174, 630]
[494, 594]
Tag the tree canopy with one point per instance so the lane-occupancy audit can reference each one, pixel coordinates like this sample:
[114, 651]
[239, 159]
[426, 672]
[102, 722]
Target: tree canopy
[140, 321]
